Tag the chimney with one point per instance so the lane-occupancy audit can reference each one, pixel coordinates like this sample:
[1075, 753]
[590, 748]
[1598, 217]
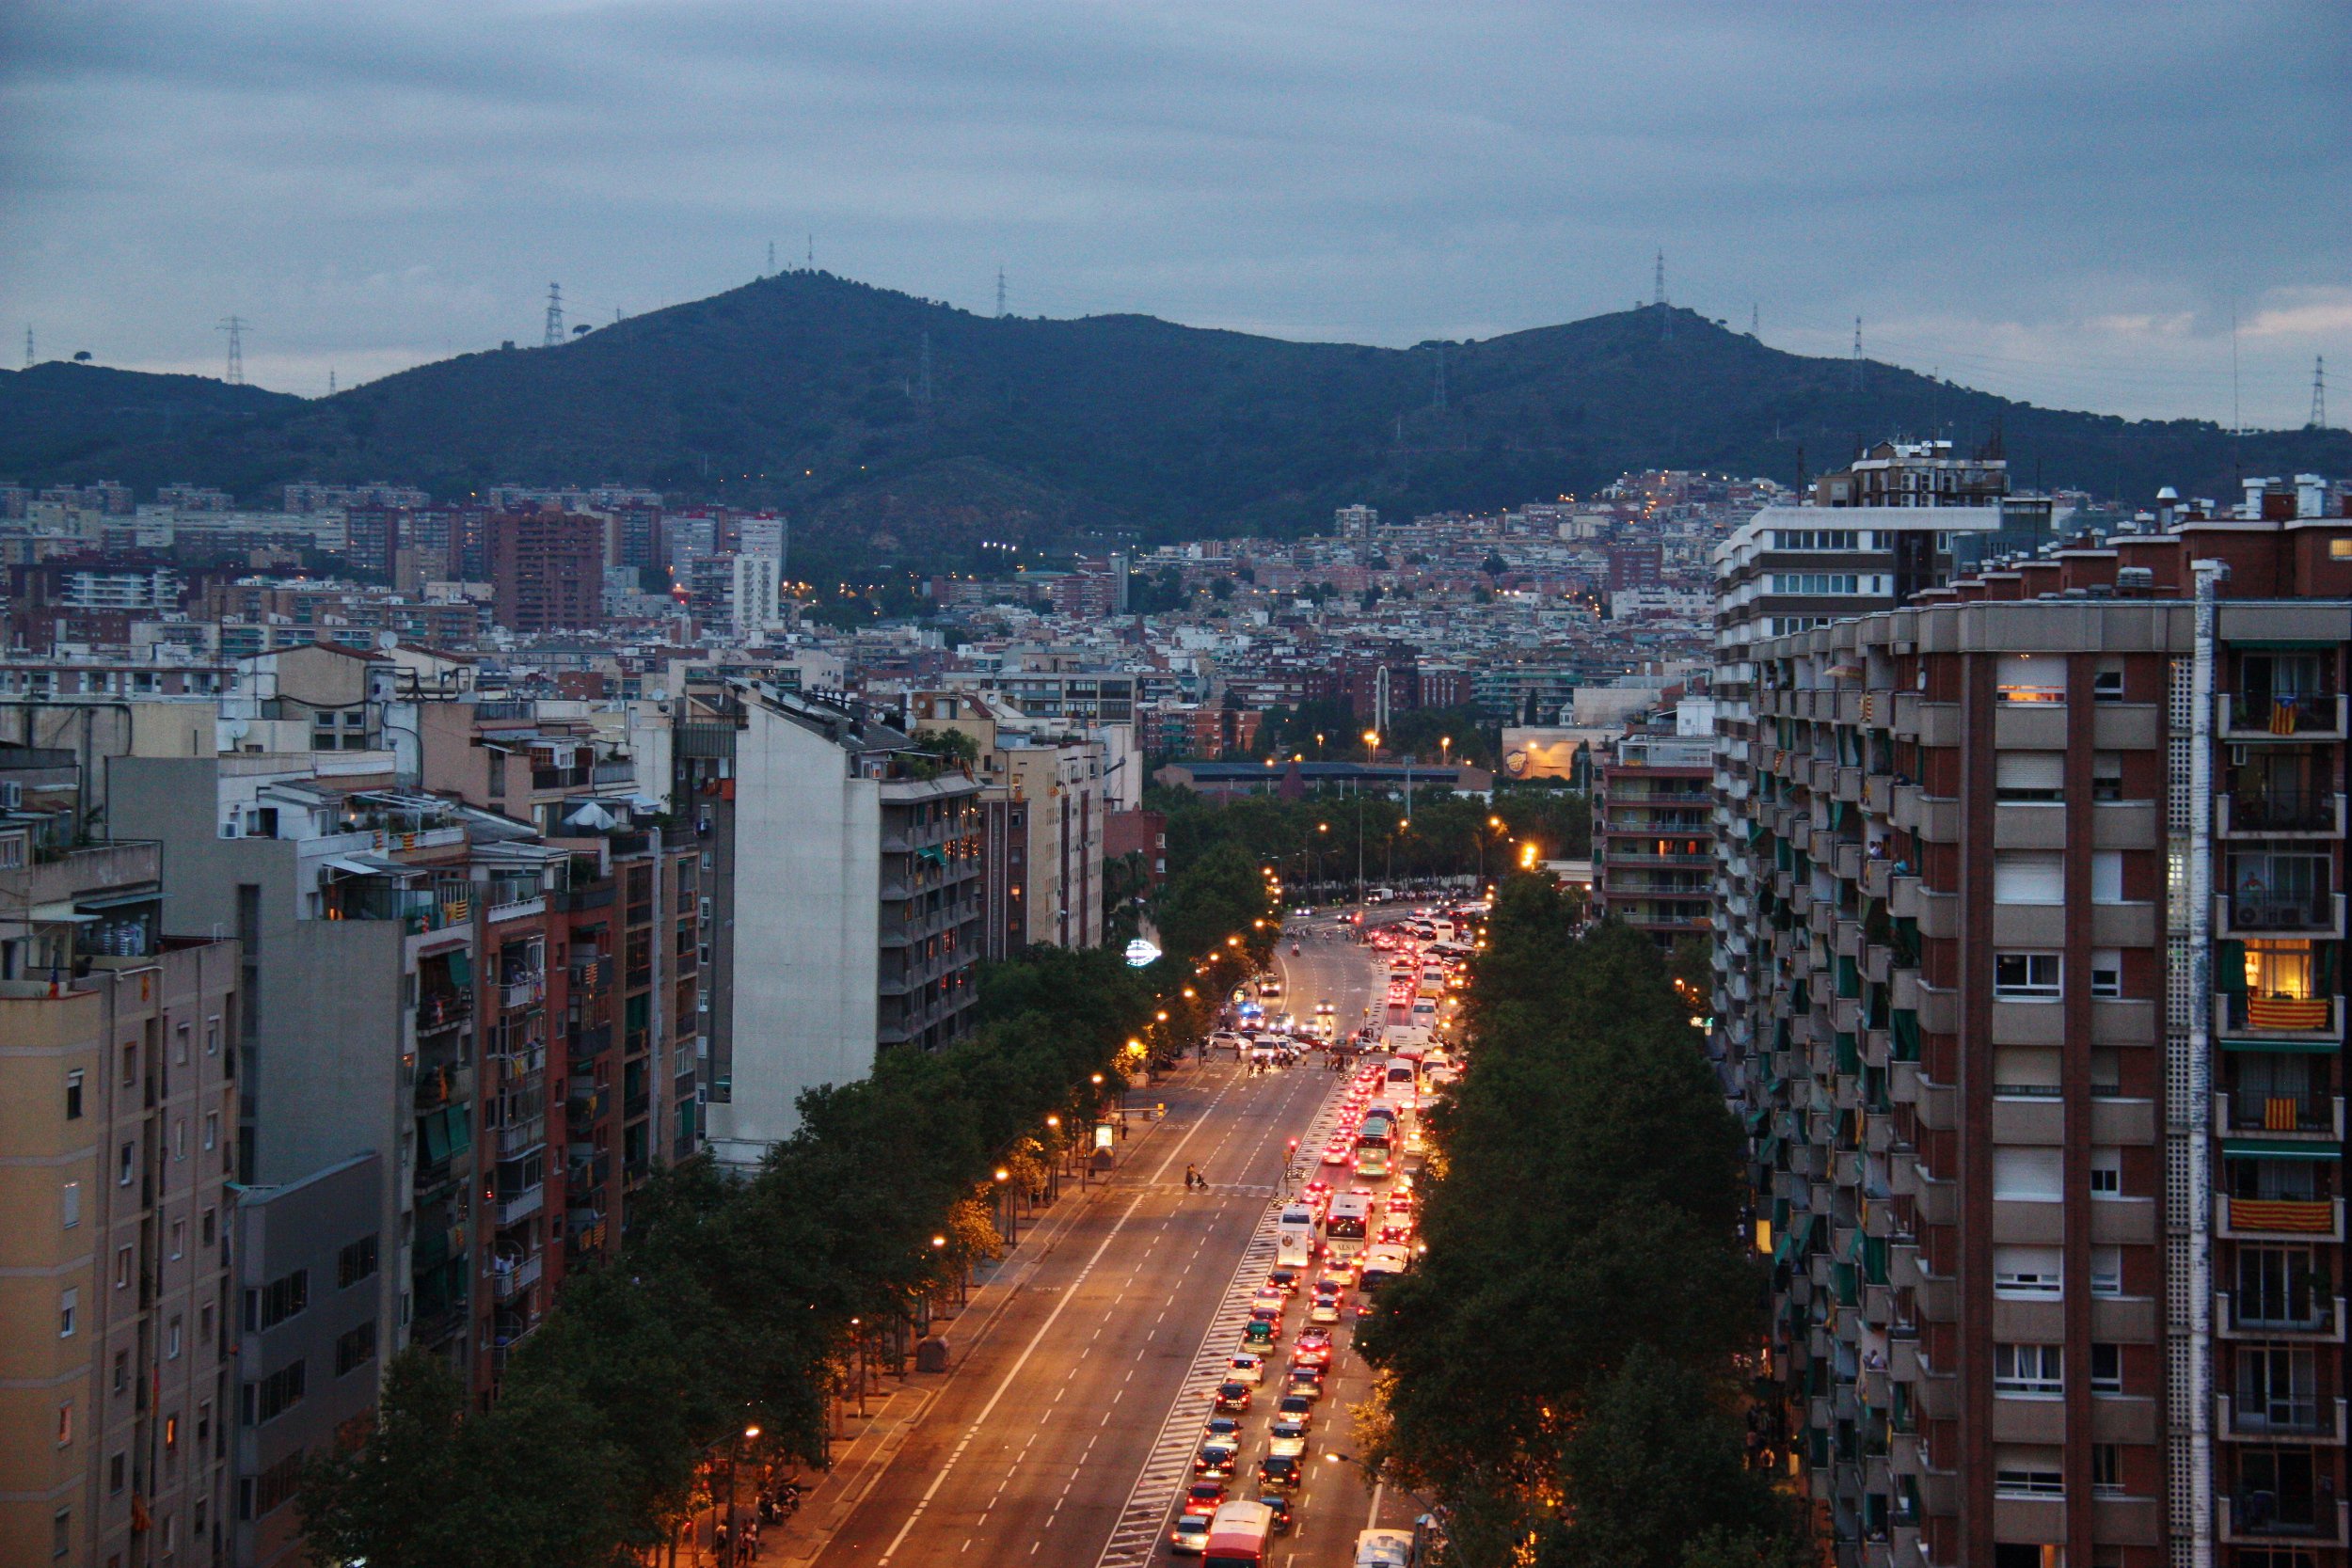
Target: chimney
[2168, 506]
[2311, 495]
[2134, 582]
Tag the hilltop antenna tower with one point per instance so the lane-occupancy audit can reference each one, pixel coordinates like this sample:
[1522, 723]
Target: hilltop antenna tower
[1857, 353]
[1665, 318]
[812, 253]
[1000, 293]
[330, 381]
[28, 346]
[772, 258]
[555, 315]
[2319, 385]
[1755, 316]
[234, 326]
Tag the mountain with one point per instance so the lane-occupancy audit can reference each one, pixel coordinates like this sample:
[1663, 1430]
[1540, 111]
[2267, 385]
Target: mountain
[809, 391]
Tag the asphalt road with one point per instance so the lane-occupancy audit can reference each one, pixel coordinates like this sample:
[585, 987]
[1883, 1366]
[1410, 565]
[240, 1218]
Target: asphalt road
[1065, 1430]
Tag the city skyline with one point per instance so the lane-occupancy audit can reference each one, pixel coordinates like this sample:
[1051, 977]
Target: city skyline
[369, 191]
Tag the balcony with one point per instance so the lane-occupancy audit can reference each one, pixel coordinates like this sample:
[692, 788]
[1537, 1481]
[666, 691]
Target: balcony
[2280, 814]
[2314, 1315]
[437, 1010]
[510, 1277]
[2239, 1015]
[2265, 1519]
[2309, 1418]
[2295, 1219]
[525, 989]
[516, 1207]
[2315, 717]
[2313, 913]
[522, 1138]
[2319, 1113]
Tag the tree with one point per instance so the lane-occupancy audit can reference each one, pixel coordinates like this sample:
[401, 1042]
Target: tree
[1494, 566]
[1221, 589]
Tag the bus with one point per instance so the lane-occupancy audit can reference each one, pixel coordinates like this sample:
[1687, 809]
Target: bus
[1295, 1237]
[1238, 1533]
[1373, 1140]
[1343, 1224]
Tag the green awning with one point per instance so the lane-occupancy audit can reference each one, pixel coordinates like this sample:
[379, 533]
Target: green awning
[461, 968]
[2279, 642]
[2302, 1047]
[2279, 1148]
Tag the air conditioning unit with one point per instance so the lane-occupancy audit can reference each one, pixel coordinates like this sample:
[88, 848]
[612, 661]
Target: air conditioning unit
[11, 794]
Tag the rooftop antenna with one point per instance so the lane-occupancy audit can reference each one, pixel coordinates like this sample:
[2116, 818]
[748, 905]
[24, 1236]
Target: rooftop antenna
[1666, 320]
[234, 326]
[1000, 292]
[1857, 353]
[555, 315]
[2319, 385]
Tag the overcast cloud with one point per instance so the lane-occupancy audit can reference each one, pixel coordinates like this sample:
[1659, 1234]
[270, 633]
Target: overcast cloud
[2059, 202]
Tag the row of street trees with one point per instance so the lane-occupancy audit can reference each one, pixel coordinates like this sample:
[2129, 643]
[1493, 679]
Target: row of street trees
[1315, 839]
[735, 1303]
[1561, 1371]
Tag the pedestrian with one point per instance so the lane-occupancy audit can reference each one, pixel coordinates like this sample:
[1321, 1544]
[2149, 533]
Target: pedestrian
[1192, 1177]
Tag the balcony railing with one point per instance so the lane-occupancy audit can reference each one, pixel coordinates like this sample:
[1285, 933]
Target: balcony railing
[2316, 911]
[2301, 1415]
[2301, 1218]
[510, 1277]
[2278, 1312]
[2259, 1517]
[2281, 1113]
[2242, 1013]
[522, 1205]
[2281, 811]
[2312, 714]
[443, 1010]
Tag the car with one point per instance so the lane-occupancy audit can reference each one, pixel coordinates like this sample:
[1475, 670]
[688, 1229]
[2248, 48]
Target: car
[1270, 1294]
[1217, 1457]
[1204, 1497]
[1189, 1536]
[1304, 1383]
[1336, 1154]
[1258, 1333]
[1233, 1398]
[1247, 1368]
[1313, 1349]
[1325, 1313]
[1283, 1278]
[1279, 1506]
[1280, 1471]
[1222, 1426]
[1288, 1440]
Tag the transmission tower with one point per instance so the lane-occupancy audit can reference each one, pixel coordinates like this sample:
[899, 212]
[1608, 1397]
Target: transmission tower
[555, 315]
[2320, 385]
[234, 326]
[330, 381]
[1665, 317]
[28, 347]
[1000, 292]
[1857, 353]
[772, 258]
[1755, 316]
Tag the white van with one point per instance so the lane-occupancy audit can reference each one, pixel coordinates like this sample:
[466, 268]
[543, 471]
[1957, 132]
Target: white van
[1384, 1548]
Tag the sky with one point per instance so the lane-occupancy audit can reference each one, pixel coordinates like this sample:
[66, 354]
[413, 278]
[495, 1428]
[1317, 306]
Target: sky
[2085, 204]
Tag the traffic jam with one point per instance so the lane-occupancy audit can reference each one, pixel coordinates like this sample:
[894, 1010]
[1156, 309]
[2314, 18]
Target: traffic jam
[1349, 1231]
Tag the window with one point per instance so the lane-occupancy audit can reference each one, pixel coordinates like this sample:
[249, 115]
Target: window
[2026, 976]
[203, 1422]
[211, 1036]
[280, 1299]
[2278, 1388]
[2107, 686]
[204, 1232]
[126, 1165]
[2031, 678]
[2031, 1175]
[123, 1371]
[61, 1532]
[73, 1095]
[65, 1423]
[2029, 877]
[2107, 971]
[118, 1470]
[171, 1435]
[130, 1066]
[179, 1239]
[2035, 1369]
[2280, 1288]
[123, 1268]
[171, 1338]
[2107, 1368]
[69, 1204]
[2106, 1173]
[2106, 875]
[2030, 777]
[355, 1349]
[2106, 776]
[2029, 1071]
[2106, 1271]
[2029, 1470]
[273, 1396]
[179, 1138]
[2027, 1270]
[211, 1129]
[356, 1263]
[272, 1489]
[180, 1045]
[205, 1322]
[2106, 1469]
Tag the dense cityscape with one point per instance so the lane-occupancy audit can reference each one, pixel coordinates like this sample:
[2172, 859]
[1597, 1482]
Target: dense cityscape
[822, 928]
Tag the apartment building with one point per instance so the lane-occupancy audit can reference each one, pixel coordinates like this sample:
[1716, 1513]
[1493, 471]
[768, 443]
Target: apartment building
[1654, 831]
[846, 899]
[2029, 986]
[118, 1107]
[548, 570]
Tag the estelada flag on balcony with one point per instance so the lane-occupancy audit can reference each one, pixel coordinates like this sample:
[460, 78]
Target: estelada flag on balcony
[2286, 1012]
[2283, 715]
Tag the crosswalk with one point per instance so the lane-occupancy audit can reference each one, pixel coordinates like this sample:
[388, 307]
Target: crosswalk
[1168, 1467]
